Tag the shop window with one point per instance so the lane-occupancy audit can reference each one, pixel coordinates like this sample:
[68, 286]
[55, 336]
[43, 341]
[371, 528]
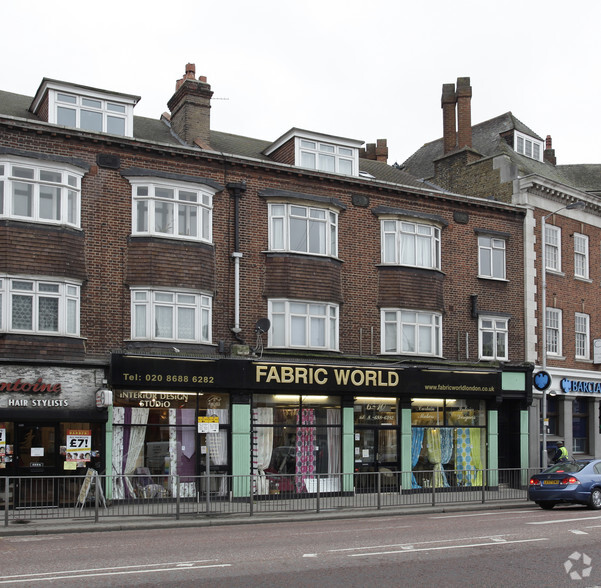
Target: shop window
[155, 440]
[580, 425]
[448, 442]
[294, 438]
[375, 411]
[552, 414]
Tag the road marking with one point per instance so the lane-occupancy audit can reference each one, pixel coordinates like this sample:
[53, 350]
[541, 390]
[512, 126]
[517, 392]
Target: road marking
[410, 545]
[170, 563]
[310, 555]
[480, 514]
[496, 544]
[47, 578]
[576, 532]
[563, 521]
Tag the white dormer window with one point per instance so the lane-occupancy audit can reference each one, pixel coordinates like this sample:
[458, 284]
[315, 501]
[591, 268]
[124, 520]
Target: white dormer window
[88, 109]
[528, 146]
[327, 157]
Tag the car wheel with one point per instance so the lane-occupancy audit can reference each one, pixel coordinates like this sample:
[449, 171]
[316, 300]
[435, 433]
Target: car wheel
[546, 504]
[595, 499]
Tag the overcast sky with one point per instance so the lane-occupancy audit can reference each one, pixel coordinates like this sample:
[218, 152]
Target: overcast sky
[358, 69]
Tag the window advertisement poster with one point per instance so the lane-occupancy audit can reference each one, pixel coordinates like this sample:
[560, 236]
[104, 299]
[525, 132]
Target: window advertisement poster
[208, 424]
[2, 448]
[79, 446]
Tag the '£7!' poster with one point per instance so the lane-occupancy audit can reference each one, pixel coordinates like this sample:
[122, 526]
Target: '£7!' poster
[79, 445]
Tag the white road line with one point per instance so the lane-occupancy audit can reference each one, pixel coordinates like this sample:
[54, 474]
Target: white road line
[576, 532]
[310, 555]
[496, 544]
[168, 563]
[410, 545]
[481, 514]
[564, 521]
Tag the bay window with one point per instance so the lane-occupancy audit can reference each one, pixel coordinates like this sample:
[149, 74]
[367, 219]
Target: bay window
[39, 306]
[410, 244]
[300, 324]
[168, 315]
[411, 332]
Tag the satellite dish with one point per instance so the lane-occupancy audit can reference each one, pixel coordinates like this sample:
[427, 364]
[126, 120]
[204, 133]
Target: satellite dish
[262, 325]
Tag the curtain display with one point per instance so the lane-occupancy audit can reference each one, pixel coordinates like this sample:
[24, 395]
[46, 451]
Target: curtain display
[433, 445]
[417, 440]
[262, 447]
[217, 443]
[182, 450]
[468, 457]
[305, 448]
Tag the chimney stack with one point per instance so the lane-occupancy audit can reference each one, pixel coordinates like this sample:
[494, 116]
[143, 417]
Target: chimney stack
[377, 151]
[549, 153]
[449, 133]
[190, 108]
[464, 113]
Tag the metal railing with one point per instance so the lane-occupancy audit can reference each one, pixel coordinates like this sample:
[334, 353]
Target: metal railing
[95, 497]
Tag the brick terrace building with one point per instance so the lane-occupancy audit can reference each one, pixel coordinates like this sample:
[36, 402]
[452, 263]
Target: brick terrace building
[504, 160]
[331, 312]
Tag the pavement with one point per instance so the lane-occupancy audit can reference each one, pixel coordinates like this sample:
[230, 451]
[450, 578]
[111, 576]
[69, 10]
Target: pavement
[48, 526]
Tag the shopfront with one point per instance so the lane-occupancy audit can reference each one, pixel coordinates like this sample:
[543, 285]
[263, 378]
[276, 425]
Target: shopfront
[50, 426]
[287, 422]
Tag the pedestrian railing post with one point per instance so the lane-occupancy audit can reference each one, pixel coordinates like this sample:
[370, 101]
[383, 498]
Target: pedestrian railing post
[317, 492]
[379, 489]
[484, 486]
[251, 495]
[208, 491]
[433, 484]
[96, 496]
[177, 497]
[6, 494]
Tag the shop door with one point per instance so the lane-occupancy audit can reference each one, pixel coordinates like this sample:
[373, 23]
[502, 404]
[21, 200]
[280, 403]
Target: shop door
[36, 467]
[376, 450]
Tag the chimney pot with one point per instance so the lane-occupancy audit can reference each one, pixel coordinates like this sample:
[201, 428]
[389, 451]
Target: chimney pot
[449, 132]
[464, 113]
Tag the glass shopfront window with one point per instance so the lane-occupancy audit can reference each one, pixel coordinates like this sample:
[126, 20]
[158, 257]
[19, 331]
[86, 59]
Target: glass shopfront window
[580, 425]
[155, 439]
[448, 443]
[293, 438]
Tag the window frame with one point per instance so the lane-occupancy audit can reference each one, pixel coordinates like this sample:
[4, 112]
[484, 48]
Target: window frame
[43, 190]
[66, 293]
[582, 338]
[434, 326]
[490, 249]
[496, 329]
[528, 146]
[581, 256]
[554, 327]
[286, 317]
[394, 234]
[58, 100]
[320, 149]
[553, 248]
[203, 309]
[203, 207]
[280, 237]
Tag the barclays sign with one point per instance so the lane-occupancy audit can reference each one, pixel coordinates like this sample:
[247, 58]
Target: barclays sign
[571, 386]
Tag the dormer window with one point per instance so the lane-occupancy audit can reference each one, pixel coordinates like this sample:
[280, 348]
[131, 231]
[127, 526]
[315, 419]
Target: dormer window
[84, 108]
[528, 146]
[326, 157]
[325, 153]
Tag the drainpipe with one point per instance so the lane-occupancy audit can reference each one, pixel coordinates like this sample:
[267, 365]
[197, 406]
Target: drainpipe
[237, 189]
